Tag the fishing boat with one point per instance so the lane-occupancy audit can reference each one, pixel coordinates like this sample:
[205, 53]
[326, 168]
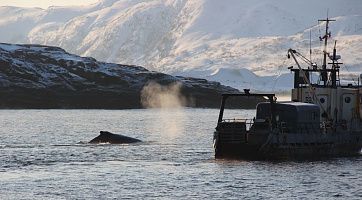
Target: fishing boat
[323, 118]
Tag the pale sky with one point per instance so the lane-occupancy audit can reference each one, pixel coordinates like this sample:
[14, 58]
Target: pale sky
[45, 3]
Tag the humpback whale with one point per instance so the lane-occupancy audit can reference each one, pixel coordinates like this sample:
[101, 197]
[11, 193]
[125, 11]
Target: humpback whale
[107, 137]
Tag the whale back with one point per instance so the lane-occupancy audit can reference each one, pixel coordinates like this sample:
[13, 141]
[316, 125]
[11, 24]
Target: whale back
[107, 137]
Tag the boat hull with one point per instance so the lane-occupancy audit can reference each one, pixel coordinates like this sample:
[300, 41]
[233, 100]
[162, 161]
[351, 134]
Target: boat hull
[277, 149]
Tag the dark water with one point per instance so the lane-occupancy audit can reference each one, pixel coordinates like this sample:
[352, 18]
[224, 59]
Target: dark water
[40, 158]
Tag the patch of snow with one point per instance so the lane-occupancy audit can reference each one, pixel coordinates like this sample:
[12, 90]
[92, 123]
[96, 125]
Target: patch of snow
[9, 47]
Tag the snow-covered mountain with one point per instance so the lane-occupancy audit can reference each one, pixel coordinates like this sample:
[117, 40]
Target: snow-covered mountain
[240, 43]
[36, 76]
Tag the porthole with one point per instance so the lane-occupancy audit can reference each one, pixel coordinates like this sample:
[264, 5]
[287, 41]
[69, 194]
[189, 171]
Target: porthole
[322, 100]
[347, 99]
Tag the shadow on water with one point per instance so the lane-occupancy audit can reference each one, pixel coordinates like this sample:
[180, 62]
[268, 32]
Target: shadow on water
[341, 159]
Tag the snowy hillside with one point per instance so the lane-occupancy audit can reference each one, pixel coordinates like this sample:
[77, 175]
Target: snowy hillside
[37, 76]
[239, 43]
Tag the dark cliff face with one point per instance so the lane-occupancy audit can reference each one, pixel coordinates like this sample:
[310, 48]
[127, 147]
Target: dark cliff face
[34, 76]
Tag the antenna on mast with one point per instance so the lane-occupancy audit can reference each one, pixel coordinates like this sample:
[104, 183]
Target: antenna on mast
[327, 12]
[325, 38]
[310, 47]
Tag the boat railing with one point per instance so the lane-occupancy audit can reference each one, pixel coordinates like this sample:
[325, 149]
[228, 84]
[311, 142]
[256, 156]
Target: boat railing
[248, 122]
[305, 127]
[301, 127]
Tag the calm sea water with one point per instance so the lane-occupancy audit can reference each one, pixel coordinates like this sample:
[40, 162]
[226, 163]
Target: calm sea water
[41, 158]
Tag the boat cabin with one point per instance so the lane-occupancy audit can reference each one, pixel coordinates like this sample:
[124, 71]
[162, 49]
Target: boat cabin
[290, 115]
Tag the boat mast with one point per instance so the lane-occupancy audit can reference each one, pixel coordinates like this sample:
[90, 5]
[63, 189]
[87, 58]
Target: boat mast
[325, 38]
[310, 48]
[359, 98]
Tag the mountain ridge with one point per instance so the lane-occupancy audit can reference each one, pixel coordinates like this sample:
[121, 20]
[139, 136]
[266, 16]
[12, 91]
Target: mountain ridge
[195, 38]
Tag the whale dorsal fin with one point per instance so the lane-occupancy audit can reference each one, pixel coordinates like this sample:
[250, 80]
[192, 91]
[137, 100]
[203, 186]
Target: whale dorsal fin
[104, 132]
